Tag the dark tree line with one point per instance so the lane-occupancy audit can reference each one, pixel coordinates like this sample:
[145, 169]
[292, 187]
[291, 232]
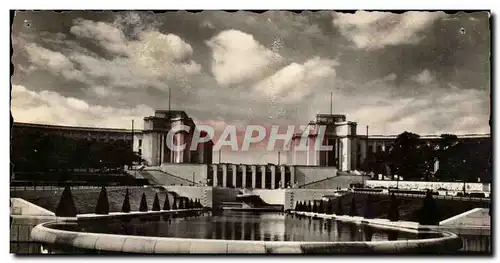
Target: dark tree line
[40, 153]
[414, 159]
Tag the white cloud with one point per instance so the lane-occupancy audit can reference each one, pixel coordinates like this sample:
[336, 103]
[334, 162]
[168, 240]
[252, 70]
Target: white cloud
[49, 107]
[237, 57]
[295, 81]
[106, 35]
[423, 78]
[439, 111]
[54, 62]
[151, 60]
[373, 30]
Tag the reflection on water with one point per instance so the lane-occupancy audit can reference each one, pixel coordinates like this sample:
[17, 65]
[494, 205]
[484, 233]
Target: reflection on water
[246, 226]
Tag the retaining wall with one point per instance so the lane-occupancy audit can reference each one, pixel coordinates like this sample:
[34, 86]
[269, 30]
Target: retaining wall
[419, 185]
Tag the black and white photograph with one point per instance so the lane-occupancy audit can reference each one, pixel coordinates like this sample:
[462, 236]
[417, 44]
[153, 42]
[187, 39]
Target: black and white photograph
[346, 132]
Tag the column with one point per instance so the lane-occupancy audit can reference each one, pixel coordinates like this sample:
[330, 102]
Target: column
[254, 176]
[215, 169]
[292, 176]
[383, 146]
[224, 175]
[364, 146]
[234, 174]
[263, 175]
[283, 177]
[273, 176]
[244, 179]
[345, 154]
[374, 149]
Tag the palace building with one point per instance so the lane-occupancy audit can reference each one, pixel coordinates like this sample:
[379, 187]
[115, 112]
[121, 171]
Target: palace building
[348, 150]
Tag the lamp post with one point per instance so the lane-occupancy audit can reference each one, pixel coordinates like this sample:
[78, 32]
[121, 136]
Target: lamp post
[464, 179]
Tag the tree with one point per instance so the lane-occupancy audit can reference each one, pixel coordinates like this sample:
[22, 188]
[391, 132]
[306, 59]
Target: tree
[369, 209]
[321, 207]
[174, 204]
[405, 156]
[156, 203]
[166, 204]
[310, 207]
[102, 207]
[126, 202]
[143, 207]
[340, 210]
[352, 208]
[447, 140]
[393, 214]
[330, 207]
[428, 212]
[66, 206]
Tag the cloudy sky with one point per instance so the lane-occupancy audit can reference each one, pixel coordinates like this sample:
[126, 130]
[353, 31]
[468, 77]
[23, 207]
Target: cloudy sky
[424, 72]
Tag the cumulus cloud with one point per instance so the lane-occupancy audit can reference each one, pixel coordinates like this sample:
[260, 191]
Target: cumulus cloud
[295, 81]
[53, 61]
[48, 107]
[423, 78]
[374, 30]
[237, 57]
[102, 33]
[438, 111]
[151, 60]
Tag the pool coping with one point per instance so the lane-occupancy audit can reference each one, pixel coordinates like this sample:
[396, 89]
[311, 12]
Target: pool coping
[172, 245]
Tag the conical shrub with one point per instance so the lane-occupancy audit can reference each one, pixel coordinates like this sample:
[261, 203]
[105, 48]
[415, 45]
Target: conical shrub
[309, 207]
[102, 207]
[428, 212]
[166, 204]
[191, 203]
[184, 203]
[143, 207]
[66, 206]
[369, 209]
[352, 209]
[340, 210]
[315, 207]
[181, 203]
[393, 214]
[297, 206]
[126, 203]
[156, 203]
[321, 207]
[174, 204]
[329, 207]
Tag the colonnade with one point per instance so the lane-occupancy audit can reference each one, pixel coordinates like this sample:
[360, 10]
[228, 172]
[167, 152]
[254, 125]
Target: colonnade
[252, 176]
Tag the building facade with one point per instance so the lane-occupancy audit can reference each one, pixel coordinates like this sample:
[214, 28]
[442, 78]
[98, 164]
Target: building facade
[152, 142]
[348, 149]
[338, 134]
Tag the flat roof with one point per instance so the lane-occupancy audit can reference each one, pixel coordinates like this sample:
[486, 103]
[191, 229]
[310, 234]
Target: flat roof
[74, 128]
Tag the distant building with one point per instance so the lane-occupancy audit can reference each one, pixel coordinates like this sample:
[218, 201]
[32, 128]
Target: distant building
[20, 130]
[349, 150]
[152, 141]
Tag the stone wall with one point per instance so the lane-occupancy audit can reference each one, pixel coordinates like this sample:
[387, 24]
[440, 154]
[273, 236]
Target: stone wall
[272, 197]
[308, 174]
[186, 171]
[418, 185]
